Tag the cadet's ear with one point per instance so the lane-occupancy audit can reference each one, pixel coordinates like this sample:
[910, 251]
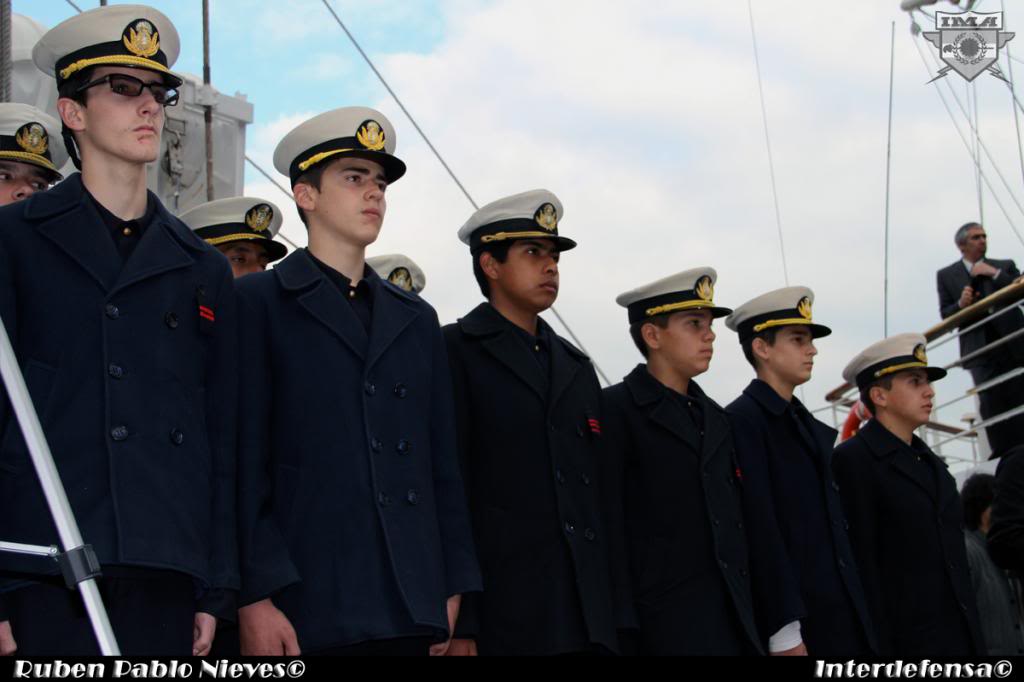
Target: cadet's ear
[71, 113]
[651, 336]
[879, 396]
[489, 265]
[759, 347]
[305, 196]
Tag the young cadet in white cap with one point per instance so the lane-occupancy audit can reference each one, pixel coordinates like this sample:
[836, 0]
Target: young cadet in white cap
[355, 535]
[673, 473]
[529, 420]
[31, 152]
[807, 595]
[400, 270]
[904, 510]
[123, 322]
[243, 229]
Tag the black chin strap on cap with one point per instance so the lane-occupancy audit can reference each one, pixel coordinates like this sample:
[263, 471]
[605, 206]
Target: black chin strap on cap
[69, 144]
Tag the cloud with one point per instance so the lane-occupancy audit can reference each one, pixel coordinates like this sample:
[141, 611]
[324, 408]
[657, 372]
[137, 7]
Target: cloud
[648, 125]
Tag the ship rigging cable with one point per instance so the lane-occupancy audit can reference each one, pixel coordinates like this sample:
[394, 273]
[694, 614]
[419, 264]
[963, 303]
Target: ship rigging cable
[1013, 97]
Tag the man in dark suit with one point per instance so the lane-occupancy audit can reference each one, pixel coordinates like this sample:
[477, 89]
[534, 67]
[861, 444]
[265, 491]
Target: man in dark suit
[123, 323]
[904, 510]
[807, 593]
[672, 476]
[963, 283]
[529, 422]
[355, 538]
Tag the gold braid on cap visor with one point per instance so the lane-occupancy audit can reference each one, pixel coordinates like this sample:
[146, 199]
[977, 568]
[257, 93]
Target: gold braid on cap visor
[504, 236]
[31, 158]
[685, 305]
[124, 59]
[781, 323]
[899, 368]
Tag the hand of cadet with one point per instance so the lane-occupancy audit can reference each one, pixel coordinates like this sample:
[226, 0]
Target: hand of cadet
[462, 647]
[453, 615]
[203, 631]
[983, 269]
[7, 644]
[799, 650]
[264, 631]
[968, 297]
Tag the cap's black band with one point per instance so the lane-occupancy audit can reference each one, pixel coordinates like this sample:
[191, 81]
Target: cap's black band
[8, 143]
[870, 375]
[638, 311]
[112, 49]
[747, 328]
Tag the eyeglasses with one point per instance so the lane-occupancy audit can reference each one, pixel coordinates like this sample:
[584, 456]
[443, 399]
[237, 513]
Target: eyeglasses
[130, 86]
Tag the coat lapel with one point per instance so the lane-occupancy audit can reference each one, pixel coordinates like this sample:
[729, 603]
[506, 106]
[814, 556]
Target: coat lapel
[716, 430]
[498, 338]
[160, 250]
[650, 395]
[322, 300]
[885, 444]
[391, 315]
[564, 367]
[65, 216]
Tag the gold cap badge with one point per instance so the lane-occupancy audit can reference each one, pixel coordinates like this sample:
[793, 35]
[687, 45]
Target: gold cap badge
[804, 308]
[547, 217]
[371, 135]
[259, 217]
[705, 289]
[920, 354]
[32, 138]
[141, 38]
[401, 278]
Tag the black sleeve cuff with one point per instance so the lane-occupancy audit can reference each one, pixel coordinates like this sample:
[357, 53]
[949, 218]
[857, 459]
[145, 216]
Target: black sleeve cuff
[3, 608]
[222, 604]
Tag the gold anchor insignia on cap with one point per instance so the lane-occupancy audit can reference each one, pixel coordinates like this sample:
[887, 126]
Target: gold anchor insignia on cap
[804, 308]
[32, 138]
[141, 38]
[547, 217]
[371, 135]
[920, 354]
[705, 289]
[259, 217]
[401, 278]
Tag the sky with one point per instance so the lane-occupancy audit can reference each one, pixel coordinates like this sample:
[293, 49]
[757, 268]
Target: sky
[645, 120]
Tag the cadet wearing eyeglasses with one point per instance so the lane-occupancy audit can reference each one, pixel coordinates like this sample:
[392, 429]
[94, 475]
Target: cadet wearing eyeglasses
[123, 322]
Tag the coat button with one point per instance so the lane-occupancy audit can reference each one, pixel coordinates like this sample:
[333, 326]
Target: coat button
[579, 431]
[590, 535]
[112, 311]
[585, 479]
[401, 391]
[835, 486]
[745, 573]
[177, 437]
[560, 477]
[413, 497]
[119, 433]
[115, 371]
[171, 320]
[842, 564]
[376, 445]
[740, 525]
[383, 500]
[552, 427]
[724, 565]
[403, 447]
[370, 389]
[570, 529]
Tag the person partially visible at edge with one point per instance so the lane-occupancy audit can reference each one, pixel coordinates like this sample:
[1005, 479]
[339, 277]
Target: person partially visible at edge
[963, 283]
[997, 595]
[123, 323]
[904, 510]
[31, 152]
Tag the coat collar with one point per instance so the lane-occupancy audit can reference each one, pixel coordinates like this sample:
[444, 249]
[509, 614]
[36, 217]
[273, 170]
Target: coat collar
[66, 216]
[652, 395]
[821, 438]
[498, 337]
[393, 309]
[886, 445]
